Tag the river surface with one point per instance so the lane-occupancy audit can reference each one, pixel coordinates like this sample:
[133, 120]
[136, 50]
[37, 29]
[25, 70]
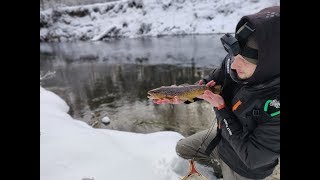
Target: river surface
[111, 78]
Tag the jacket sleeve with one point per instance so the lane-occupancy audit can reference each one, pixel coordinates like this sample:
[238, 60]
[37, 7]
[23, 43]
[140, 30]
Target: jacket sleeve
[217, 74]
[260, 147]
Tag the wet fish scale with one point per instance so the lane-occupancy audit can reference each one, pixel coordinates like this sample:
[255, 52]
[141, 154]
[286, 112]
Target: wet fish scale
[184, 92]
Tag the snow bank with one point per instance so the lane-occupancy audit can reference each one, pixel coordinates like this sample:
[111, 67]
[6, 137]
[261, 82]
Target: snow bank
[136, 18]
[72, 150]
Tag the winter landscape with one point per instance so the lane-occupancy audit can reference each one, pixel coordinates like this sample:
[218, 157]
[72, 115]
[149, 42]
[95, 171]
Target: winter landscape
[73, 150]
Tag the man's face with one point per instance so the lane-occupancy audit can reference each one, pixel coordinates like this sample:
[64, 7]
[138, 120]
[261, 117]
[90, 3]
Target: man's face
[243, 67]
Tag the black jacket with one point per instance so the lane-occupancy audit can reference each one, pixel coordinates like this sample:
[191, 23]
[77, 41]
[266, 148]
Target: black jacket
[250, 123]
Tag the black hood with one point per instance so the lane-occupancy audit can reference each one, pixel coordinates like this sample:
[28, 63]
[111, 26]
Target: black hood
[267, 27]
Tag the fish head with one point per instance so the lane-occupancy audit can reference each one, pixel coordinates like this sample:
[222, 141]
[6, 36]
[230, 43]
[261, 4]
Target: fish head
[156, 94]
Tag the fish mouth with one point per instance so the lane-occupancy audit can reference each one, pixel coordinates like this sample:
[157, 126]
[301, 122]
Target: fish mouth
[151, 95]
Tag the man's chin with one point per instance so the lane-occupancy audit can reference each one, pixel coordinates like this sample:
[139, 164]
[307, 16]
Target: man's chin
[242, 77]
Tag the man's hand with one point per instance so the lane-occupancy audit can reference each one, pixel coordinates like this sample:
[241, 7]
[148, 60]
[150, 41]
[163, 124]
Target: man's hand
[209, 84]
[214, 99]
[175, 100]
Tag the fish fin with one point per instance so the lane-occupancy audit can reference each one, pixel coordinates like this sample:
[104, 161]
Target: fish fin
[187, 100]
[191, 100]
[184, 84]
[197, 99]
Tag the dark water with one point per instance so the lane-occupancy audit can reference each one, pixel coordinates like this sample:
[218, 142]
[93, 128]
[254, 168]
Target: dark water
[99, 79]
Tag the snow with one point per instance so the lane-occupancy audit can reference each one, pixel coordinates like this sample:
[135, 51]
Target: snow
[136, 18]
[72, 150]
[105, 119]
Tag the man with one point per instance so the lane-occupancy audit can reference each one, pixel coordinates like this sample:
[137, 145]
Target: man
[247, 140]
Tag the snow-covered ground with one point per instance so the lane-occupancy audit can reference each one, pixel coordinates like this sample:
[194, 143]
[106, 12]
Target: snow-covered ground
[72, 150]
[136, 18]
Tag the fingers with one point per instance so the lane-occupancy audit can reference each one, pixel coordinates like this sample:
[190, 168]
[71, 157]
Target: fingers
[209, 99]
[209, 96]
[209, 93]
[211, 83]
[175, 100]
[162, 101]
[218, 100]
[206, 94]
[205, 97]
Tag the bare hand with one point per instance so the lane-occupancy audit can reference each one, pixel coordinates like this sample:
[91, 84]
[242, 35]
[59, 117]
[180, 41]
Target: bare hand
[214, 99]
[211, 83]
[175, 100]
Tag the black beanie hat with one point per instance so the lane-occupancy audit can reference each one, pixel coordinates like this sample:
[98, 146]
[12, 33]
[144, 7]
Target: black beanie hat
[251, 42]
[266, 23]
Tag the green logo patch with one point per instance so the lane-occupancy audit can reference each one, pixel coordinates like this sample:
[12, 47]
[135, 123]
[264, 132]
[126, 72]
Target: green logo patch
[272, 107]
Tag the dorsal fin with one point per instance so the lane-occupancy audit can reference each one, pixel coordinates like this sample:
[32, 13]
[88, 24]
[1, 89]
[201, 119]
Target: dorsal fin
[184, 84]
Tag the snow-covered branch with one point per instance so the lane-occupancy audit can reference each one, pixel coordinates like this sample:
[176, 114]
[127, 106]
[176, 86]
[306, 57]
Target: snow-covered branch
[137, 18]
[47, 75]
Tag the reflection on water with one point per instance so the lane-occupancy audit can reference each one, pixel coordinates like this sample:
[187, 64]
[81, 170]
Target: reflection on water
[100, 80]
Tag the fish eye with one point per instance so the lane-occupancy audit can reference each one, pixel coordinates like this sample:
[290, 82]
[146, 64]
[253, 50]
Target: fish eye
[153, 91]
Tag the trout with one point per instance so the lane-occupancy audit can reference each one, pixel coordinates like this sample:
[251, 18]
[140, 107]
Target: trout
[184, 92]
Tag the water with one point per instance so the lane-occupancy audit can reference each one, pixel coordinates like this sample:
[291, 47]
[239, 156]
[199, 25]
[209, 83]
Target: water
[99, 79]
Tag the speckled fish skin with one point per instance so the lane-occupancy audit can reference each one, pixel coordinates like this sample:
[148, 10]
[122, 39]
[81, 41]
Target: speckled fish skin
[184, 92]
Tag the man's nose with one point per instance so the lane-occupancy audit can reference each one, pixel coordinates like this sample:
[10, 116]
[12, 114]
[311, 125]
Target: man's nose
[236, 63]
